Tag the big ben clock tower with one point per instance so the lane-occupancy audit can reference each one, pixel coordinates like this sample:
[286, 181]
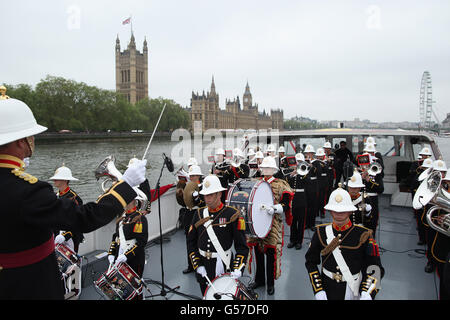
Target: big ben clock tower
[247, 98]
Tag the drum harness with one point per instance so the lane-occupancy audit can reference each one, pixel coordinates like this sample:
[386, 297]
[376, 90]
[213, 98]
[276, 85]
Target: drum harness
[224, 256]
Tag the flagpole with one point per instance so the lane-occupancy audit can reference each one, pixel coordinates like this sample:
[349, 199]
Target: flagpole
[131, 24]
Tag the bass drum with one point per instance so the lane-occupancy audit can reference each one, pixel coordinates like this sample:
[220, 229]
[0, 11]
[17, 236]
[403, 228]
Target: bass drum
[225, 287]
[250, 196]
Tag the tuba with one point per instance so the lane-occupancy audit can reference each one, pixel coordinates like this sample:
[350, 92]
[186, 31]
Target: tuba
[303, 168]
[374, 169]
[438, 216]
[108, 169]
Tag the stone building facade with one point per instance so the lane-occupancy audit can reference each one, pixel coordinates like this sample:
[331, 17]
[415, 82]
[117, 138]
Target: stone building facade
[132, 71]
[205, 108]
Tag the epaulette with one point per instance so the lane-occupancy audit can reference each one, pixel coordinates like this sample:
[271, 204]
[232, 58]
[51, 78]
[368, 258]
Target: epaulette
[25, 176]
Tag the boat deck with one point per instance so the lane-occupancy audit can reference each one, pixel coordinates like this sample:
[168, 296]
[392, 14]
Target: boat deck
[404, 262]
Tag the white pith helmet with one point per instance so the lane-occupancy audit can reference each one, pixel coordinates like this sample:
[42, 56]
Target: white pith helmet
[340, 201]
[220, 151]
[425, 152]
[327, 145]
[299, 157]
[17, 121]
[269, 162]
[259, 155]
[439, 165]
[320, 152]
[63, 173]
[371, 140]
[211, 184]
[132, 160]
[195, 170]
[251, 152]
[270, 148]
[281, 149]
[427, 163]
[356, 180]
[238, 153]
[192, 162]
[369, 147]
[309, 149]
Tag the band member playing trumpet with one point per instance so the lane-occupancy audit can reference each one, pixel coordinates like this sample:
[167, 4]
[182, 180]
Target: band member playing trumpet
[297, 181]
[215, 228]
[349, 256]
[129, 241]
[271, 246]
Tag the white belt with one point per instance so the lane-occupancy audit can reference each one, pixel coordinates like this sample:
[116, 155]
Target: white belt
[324, 174]
[299, 190]
[313, 178]
[337, 277]
[371, 194]
[208, 255]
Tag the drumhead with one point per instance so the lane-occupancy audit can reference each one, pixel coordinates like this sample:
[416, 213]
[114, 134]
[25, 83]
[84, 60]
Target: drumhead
[224, 285]
[261, 220]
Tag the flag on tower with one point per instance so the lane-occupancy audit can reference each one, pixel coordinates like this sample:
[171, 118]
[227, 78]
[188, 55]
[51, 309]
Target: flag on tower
[127, 21]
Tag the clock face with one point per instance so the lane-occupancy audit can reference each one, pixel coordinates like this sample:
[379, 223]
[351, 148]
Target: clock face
[245, 99]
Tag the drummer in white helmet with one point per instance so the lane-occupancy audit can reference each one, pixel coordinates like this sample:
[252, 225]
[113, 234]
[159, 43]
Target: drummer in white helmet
[61, 179]
[237, 168]
[271, 246]
[346, 253]
[214, 230]
[256, 173]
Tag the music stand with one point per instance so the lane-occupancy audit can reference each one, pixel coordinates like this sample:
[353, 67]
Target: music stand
[164, 292]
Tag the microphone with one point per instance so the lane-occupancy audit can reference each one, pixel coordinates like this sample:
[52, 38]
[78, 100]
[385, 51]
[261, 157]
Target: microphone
[168, 162]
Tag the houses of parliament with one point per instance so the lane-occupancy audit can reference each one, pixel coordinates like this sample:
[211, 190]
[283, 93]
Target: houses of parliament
[205, 109]
[132, 82]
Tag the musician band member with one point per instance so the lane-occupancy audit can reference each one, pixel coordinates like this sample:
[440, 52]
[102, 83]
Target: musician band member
[129, 240]
[323, 181]
[61, 180]
[312, 187]
[271, 246]
[297, 182]
[193, 201]
[215, 228]
[349, 256]
[362, 214]
[31, 211]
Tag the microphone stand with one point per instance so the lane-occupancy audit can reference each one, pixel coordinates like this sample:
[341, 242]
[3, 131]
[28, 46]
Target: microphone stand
[164, 292]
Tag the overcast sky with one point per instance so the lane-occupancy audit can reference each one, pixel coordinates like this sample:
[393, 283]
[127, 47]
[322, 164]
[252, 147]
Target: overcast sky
[320, 59]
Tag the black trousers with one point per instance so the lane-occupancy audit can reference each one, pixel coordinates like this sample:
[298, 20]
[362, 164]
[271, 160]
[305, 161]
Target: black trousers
[444, 290]
[420, 225]
[372, 222]
[298, 224]
[188, 214]
[265, 270]
[312, 209]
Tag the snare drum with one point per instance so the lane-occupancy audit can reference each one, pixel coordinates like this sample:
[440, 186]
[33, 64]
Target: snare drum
[66, 257]
[225, 287]
[249, 196]
[120, 283]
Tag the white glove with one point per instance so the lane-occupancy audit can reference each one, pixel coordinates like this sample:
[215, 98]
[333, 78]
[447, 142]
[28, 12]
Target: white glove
[236, 274]
[111, 259]
[270, 210]
[278, 208]
[368, 207]
[365, 296]
[59, 239]
[121, 258]
[201, 271]
[195, 194]
[135, 174]
[321, 295]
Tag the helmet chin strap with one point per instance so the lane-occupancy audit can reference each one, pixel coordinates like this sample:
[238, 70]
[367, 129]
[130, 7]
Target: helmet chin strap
[30, 143]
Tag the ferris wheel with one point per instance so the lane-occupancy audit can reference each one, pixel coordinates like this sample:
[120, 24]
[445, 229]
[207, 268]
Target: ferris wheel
[426, 100]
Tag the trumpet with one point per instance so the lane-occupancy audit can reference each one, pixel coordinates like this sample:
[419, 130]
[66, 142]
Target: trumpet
[374, 169]
[303, 168]
[108, 169]
[438, 216]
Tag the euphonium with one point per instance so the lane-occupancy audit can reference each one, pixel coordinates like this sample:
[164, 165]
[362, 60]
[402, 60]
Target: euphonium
[108, 169]
[438, 216]
[303, 168]
[374, 169]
